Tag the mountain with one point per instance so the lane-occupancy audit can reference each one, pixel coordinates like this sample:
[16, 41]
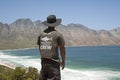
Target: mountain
[23, 33]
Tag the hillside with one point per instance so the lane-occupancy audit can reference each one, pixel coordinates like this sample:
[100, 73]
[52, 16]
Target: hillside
[23, 34]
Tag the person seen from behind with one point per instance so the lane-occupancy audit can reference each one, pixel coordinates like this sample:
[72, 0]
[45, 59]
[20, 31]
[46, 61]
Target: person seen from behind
[50, 41]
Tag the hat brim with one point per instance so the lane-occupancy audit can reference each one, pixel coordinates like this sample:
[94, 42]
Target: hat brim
[58, 21]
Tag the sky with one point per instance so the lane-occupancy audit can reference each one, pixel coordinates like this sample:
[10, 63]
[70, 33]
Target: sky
[94, 14]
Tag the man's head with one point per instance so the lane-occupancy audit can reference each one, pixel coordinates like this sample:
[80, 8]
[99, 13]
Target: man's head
[52, 21]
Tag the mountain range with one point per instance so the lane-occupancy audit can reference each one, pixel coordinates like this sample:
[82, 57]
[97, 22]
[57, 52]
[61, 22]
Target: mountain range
[23, 33]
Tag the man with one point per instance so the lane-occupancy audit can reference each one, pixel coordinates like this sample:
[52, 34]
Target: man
[49, 41]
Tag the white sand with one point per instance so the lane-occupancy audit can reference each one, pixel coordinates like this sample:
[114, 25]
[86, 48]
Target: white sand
[8, 65]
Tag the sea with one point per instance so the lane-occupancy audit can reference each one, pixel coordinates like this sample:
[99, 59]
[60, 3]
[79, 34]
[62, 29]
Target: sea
[82, 63]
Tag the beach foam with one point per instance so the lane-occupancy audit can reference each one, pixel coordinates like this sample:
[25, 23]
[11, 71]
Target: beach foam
[67, 74]
[88, 74]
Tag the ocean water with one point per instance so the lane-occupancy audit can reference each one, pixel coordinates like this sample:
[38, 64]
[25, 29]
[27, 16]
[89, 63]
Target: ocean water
[82, 63]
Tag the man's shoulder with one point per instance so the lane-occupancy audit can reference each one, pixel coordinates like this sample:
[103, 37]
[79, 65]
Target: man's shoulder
[58, 33]
[55, 32]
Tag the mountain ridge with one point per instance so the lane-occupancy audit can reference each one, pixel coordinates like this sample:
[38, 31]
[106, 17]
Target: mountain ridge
[23, 33]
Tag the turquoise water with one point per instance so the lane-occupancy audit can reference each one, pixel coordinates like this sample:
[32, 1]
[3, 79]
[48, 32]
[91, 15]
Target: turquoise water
[86, 63]
[100, 57]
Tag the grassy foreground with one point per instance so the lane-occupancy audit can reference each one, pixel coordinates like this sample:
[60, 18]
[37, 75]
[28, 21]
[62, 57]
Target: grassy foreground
[18, 73]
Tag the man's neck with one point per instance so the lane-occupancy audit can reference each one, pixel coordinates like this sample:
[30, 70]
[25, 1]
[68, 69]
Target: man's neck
[51, 28]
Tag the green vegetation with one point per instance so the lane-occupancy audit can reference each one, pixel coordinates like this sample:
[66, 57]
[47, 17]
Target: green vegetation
[18, 73]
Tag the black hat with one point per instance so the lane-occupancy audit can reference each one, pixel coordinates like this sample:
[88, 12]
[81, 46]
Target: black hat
[52, 21]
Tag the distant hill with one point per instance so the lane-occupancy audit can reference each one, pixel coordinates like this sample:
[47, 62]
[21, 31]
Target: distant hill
[23, 34]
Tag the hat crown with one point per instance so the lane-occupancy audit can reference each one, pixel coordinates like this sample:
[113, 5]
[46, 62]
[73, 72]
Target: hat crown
[51, 19]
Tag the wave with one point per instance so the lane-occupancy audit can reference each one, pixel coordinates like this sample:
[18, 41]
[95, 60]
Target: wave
[67, 74]
[17, 49]
[25, 61]
[88, 74]
[6, 56]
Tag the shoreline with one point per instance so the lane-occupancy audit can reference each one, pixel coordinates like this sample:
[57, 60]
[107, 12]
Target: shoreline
[12, 66]
[65, 46]
[16, 49]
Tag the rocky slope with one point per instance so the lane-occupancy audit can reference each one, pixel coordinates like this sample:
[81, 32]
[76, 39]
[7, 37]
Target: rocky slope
[23, 34]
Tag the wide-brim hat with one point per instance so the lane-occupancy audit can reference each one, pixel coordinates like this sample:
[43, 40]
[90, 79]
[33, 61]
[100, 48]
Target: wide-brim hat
[52, 21]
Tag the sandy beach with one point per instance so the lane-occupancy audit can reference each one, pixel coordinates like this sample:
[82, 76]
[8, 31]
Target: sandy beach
[12, 66]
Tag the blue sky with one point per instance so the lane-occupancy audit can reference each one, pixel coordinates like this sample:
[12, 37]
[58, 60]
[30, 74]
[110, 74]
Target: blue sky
[95, 14]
